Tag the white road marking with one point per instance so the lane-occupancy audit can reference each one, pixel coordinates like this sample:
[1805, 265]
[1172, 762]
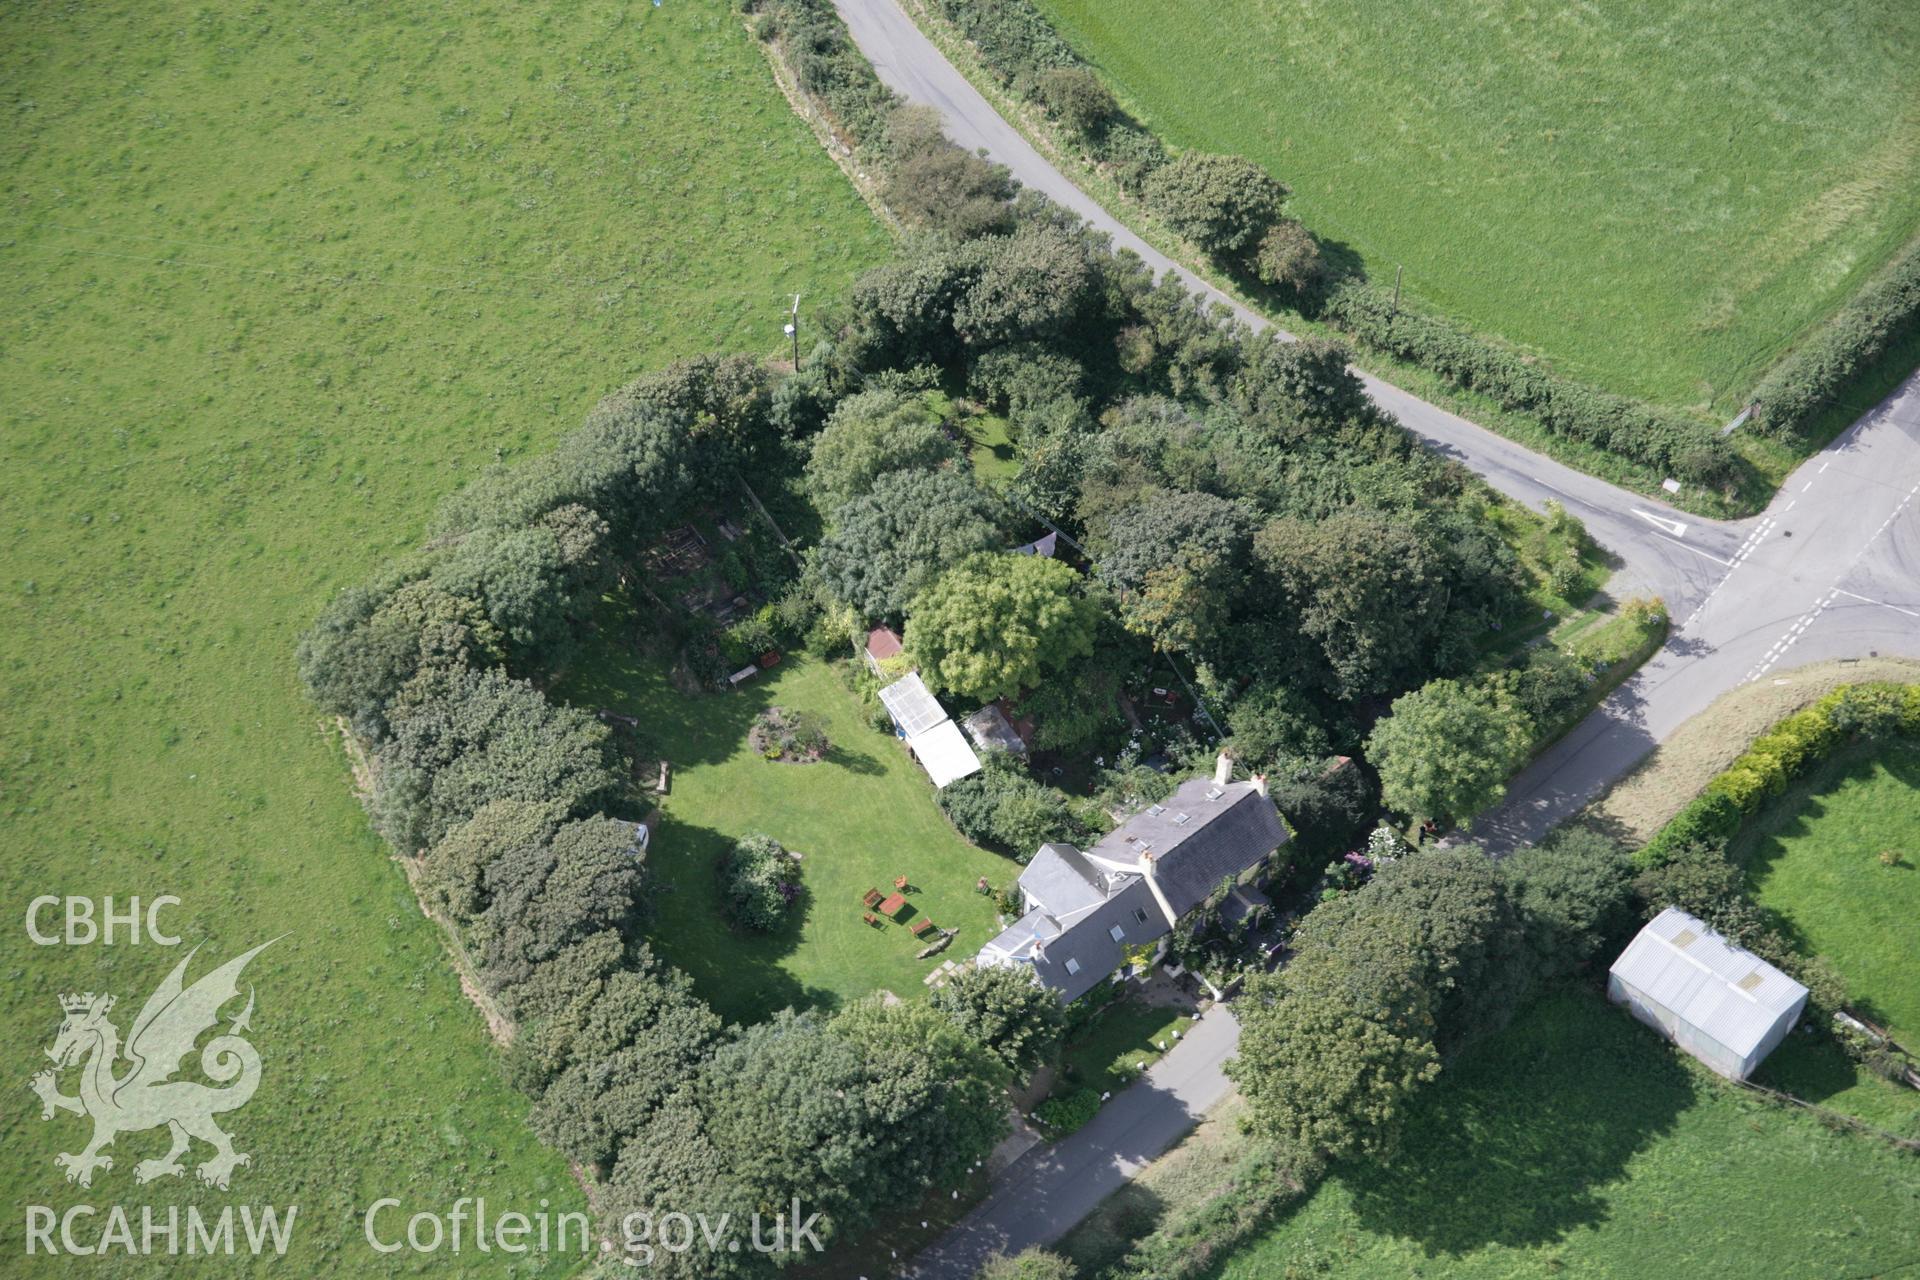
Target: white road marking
[1882, 603]
[1697, 551]
[1673, 527]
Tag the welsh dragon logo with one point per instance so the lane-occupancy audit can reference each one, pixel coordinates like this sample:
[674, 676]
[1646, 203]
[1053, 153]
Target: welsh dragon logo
[143, 1095]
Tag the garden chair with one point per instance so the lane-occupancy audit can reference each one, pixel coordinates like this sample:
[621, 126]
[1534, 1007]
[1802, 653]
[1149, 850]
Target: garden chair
[872, 897]
[872, 920]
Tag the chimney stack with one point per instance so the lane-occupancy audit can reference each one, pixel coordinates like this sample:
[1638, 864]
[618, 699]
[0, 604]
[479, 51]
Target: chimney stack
[1260, 783]
[1222, 769]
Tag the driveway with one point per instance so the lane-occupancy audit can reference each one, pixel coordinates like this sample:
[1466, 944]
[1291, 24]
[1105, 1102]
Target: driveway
[1050, 1189]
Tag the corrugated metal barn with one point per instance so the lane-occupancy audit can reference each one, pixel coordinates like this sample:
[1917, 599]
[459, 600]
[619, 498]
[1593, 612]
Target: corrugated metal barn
[1725, 1006]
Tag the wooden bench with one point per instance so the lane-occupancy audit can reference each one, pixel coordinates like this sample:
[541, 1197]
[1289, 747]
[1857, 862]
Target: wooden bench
[921, 927]
[871, 898]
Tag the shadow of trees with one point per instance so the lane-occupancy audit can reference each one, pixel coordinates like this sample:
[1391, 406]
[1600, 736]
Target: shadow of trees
[1514, 1142]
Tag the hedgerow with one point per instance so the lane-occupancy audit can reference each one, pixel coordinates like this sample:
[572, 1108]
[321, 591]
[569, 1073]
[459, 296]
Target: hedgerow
[1785, 752]
[1815, 374]
[1017, 44]
[1669, 442]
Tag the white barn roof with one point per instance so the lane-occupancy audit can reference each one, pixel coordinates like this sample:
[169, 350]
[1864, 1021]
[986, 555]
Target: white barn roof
[944, 753]
[911, 705]
[1731, 996]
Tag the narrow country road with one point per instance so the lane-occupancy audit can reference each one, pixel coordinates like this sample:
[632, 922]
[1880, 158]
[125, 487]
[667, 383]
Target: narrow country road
[1052, 1187]
[1830, 570]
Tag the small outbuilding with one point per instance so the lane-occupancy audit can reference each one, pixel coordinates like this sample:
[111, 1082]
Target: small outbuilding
[1721, 1003]
[936, 741]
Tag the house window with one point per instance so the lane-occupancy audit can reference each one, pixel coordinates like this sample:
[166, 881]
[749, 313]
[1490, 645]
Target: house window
[1073, 966]
[1139, 913]
[1118, 934]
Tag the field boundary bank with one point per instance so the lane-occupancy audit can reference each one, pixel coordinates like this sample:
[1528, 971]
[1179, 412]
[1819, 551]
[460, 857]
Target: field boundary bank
[1826, 1116]
[1647, 799]
[1752, 480]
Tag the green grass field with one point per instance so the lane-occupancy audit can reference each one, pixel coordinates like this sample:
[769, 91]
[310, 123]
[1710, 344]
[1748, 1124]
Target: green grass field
[1657, 197]
[1578, 1144]
[1813, 858]
[277, 278]
[860, 817]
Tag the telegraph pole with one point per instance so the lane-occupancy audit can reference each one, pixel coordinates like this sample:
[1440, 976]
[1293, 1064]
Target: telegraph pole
[793, 331]
[1391, 317]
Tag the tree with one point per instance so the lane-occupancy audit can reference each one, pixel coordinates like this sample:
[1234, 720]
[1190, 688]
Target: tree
[1000, 805]
[1573, 896]
[1221, 203]
[457, 867]
[1447, 748]
[461, 738]
[1003, 1008]
[759, 881]
[997, 623]
[545, 898]
[1291, 390]
[1460, 924]
[1333, 1046]
[1289, 256]
[934, 1101]
[372, 640]
[1367, 589]
[1325, 803]
[1031, 1264]
[890, 544]
[531, 578]
[1274, 725]
[869, 435]
[1177, 561]
[1076, 98]
[1030, 285]
[935, 185]
[671, 1163]
[617, 1057]
[1023, 376]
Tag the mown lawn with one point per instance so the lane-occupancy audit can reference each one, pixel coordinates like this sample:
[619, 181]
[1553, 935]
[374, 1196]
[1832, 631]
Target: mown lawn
[1657, 196]
[1578, 1144]
[860, 817]
[1814, 858]
[276, 278]
[1123, 1039]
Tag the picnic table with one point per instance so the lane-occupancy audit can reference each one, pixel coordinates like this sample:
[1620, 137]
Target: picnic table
[894, 904]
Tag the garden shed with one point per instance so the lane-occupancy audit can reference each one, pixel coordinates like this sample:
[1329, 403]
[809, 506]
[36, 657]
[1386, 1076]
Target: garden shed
[935, 740]
[1720, 1003]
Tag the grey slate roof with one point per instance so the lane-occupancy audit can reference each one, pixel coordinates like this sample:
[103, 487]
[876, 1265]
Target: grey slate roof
[1061, 880]
[1074, 959]
[1197, 838]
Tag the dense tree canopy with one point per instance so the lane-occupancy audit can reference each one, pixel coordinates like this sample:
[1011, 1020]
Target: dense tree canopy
[869, 435]
[461, 738]
[1003, 1008]
[998, 623]
[1221, 203]
[1446, 749]
[890, 544]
